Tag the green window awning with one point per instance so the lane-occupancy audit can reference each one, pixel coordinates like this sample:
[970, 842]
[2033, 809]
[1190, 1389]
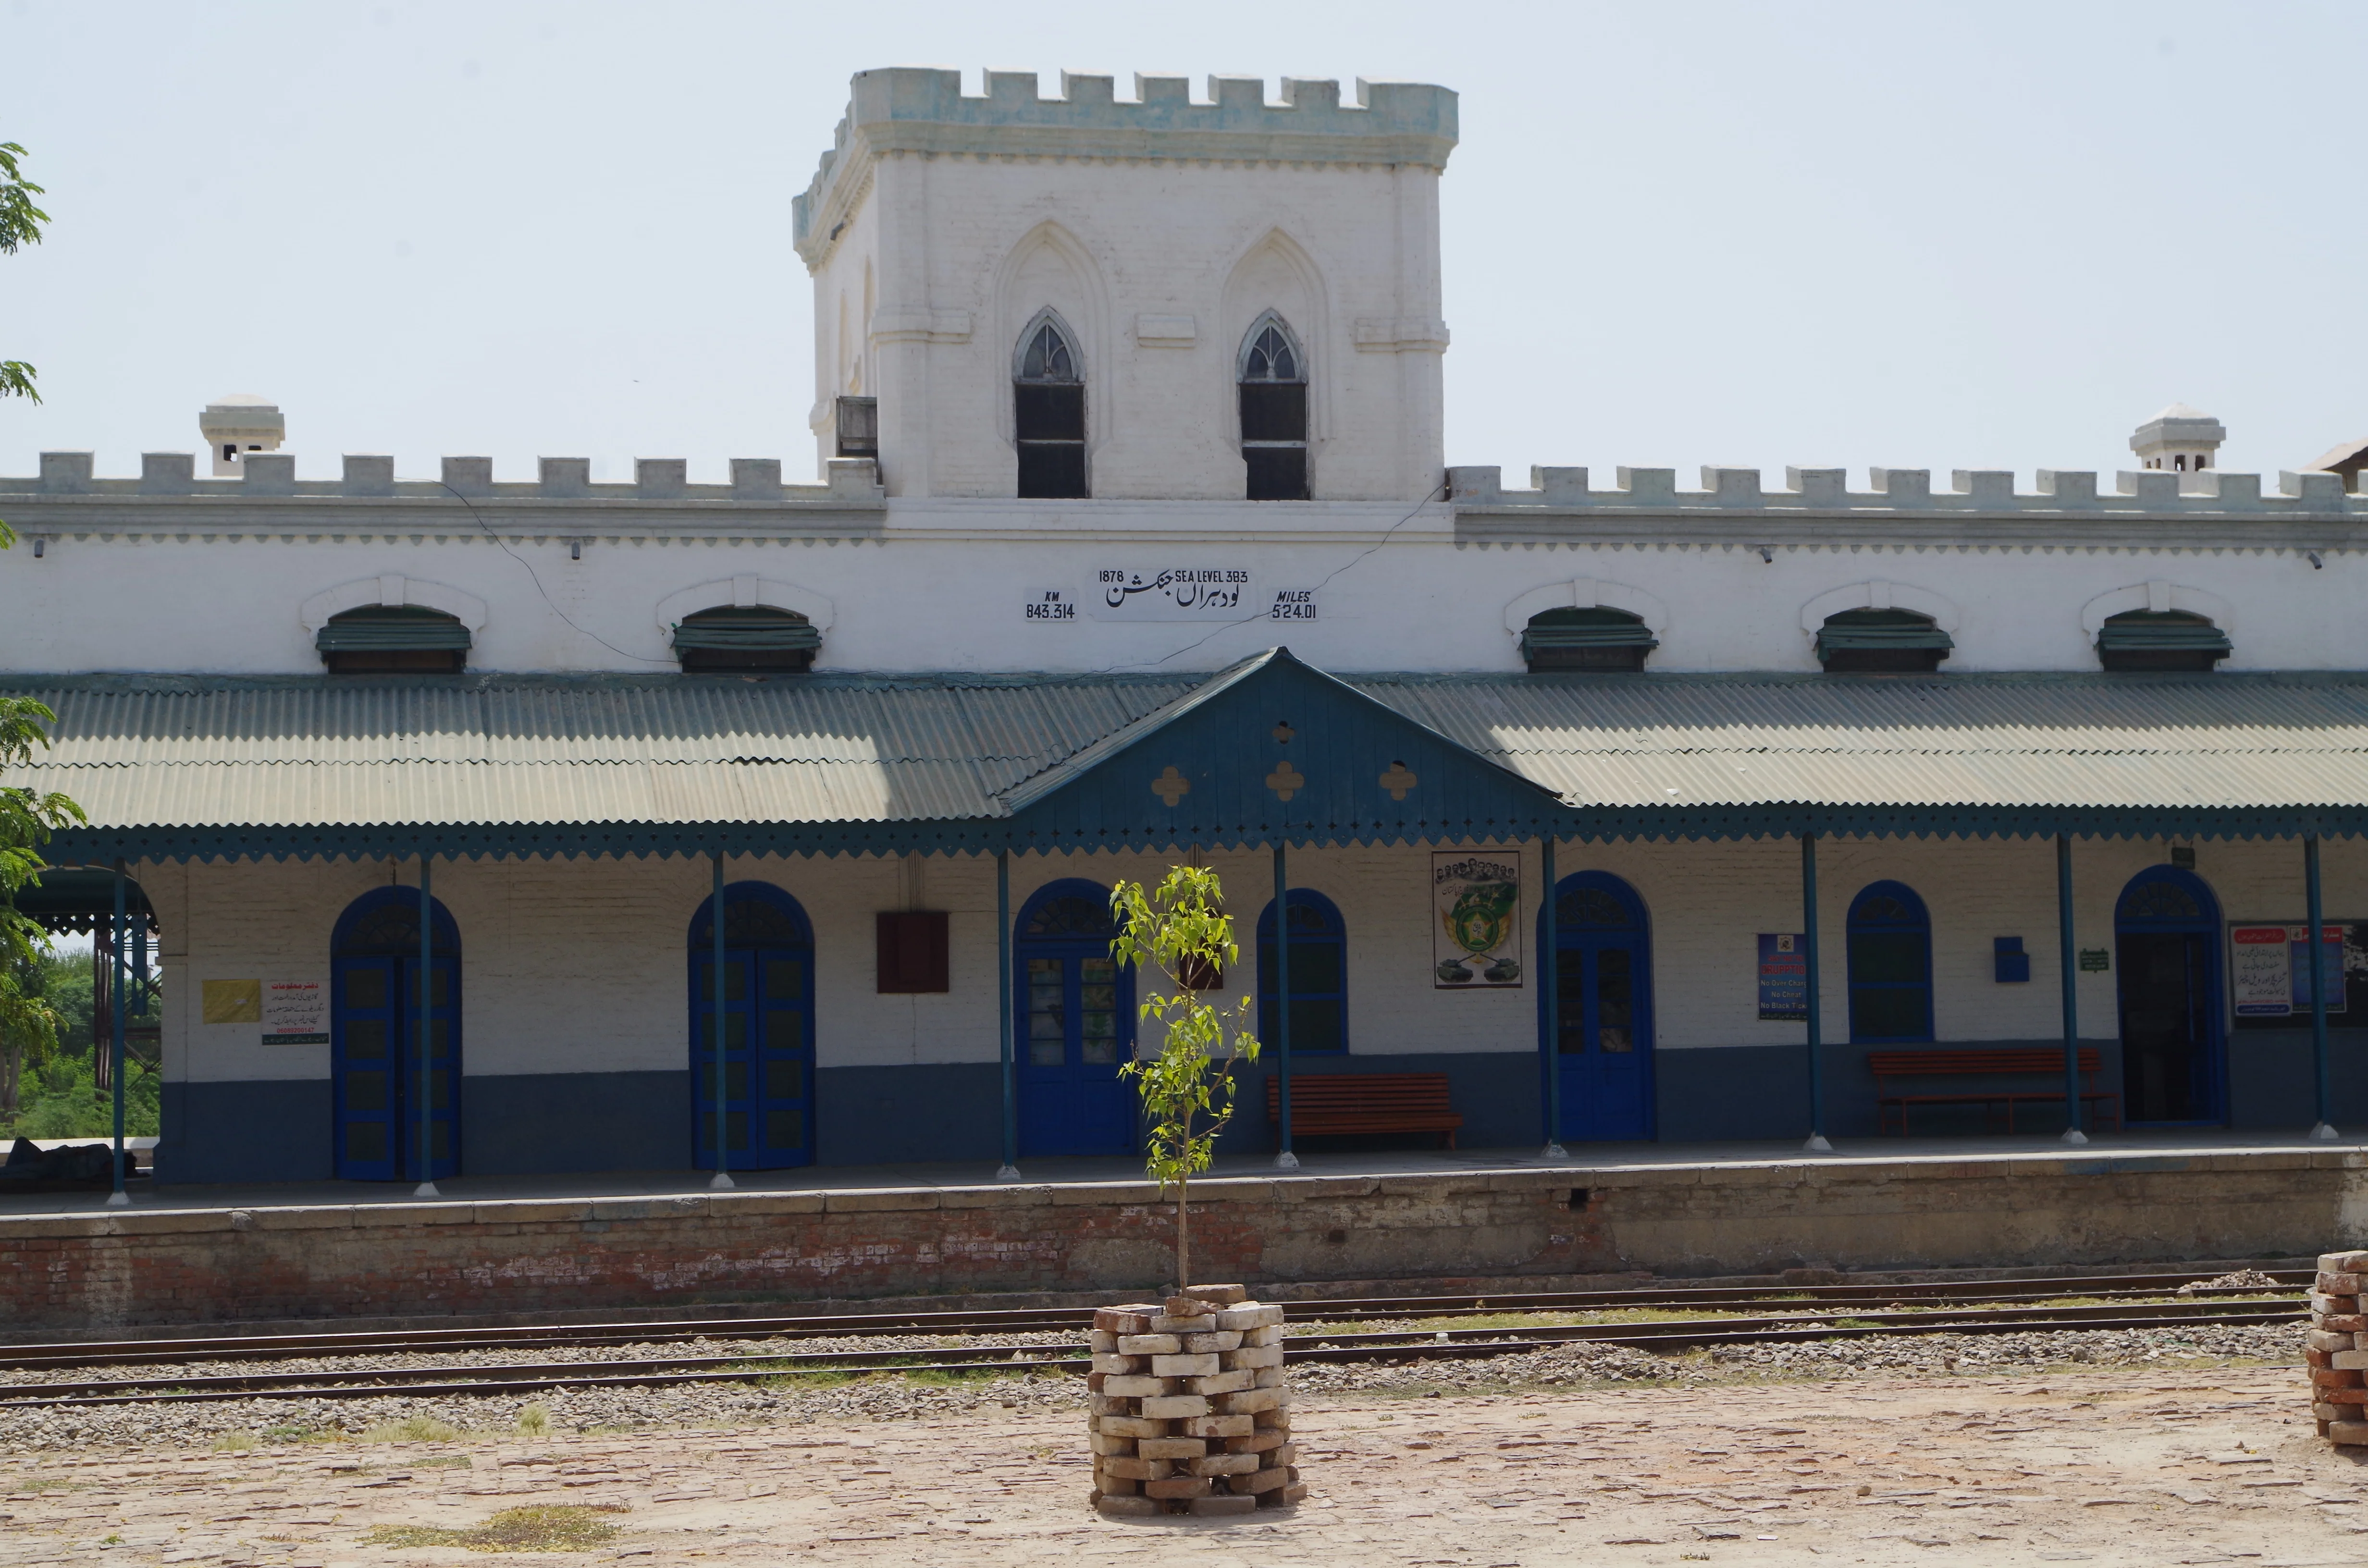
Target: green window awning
[744, 632]
[1883, 630]
[383, 628]
[2163, 632]
[1562, 630]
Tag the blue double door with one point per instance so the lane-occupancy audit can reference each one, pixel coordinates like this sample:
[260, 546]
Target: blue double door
[1074, 1027]
[763, 1084]
[1602, 1041]
[395, 1086]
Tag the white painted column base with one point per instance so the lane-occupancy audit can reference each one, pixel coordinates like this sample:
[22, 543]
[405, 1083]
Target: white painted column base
[426, 1189]
[1817, 1145]
[2323, 1133]
[722, 1182]
[1286, 1161]
[2074, 1135]
[1554, 1152]
[1007, 1173]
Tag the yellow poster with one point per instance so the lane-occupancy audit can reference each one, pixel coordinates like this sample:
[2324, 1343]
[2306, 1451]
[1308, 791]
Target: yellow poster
[234, 1001]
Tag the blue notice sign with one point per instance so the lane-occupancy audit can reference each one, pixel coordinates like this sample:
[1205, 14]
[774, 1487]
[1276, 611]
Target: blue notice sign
[1784, 977]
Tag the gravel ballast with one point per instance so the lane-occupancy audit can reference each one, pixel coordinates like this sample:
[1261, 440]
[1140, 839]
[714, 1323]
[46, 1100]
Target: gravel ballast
[892, 1397]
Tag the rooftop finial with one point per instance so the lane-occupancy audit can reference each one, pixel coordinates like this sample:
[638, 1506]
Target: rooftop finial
[2183, 440]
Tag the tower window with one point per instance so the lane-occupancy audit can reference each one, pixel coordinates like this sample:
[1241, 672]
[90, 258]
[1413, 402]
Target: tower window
[1881, 642]
[393, 639]
[2170, 639]
[1047, 409]
[230, 451]
[1274, 413]
[758, 639]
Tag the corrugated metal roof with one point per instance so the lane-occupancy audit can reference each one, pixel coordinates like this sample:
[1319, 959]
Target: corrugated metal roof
[172, 752]
[2218, 740]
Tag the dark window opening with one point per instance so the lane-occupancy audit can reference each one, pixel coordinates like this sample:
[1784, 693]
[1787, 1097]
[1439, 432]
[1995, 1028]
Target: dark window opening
[392, 639]
[230, 451]
[858, 427]
[2167, 639]
[758, 640]
[1274, 416]
[1600, 639]
[1881, 642]
[1048, 408]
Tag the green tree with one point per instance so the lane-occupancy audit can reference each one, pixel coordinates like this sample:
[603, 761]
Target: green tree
[1188, 1087]
[20, 224]
[28, 1025]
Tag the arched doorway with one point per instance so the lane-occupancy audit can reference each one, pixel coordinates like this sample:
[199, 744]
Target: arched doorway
[1075, 1024]
[1319, 977]
[2167, 961]
[375, 1050]
[769, 1088]
[1603, 1043]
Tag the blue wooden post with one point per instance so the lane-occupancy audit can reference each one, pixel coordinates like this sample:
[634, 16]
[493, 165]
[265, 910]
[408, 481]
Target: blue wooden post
[2065, 955]
[1550, 989]
[1010, 1171]
[2324, 1129]
[1284, 1159]
[1816, 1142]
[426, 1187]
[117, 1198]
[722, 1177]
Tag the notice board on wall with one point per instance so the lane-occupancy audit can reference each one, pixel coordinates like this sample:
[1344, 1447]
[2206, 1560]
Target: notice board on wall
[1784, 977]
[2268, 972]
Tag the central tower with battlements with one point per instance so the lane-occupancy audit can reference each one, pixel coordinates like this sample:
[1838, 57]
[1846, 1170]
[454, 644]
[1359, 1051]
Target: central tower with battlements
[1030, 296]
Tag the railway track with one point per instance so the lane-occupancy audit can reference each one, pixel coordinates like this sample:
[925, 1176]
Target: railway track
[1025, 1320]
[1794, 1320]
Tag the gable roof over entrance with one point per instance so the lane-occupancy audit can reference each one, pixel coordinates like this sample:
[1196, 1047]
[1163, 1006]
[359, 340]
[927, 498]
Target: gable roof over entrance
[1275, 748]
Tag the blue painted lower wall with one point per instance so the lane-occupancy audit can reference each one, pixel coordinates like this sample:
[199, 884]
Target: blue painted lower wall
[271, 1130]
[252, 1129]
[535, 1123]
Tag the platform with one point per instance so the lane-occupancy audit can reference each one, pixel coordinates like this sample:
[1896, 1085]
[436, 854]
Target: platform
[1496, 1220]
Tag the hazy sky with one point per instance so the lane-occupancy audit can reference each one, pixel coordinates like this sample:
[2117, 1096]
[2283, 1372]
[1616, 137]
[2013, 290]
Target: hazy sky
[1991, 234]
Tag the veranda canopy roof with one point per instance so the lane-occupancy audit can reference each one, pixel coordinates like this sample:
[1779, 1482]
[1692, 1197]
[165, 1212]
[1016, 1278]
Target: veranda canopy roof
[507, 764]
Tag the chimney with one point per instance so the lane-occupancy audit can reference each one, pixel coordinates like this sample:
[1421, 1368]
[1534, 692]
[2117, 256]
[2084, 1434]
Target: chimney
[237, 423]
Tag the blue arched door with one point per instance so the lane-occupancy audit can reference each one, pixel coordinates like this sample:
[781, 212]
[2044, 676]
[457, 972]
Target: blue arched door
[1075, 1024]
[2167, 968]
[1603, 1043]
[377, 1093]
[768, 1088]
[1319, 977]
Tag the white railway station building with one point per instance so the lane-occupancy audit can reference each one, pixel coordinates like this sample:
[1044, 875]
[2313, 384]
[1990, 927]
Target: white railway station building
[1128, 537]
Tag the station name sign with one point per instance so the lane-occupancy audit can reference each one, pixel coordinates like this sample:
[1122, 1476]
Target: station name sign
[1173, 593]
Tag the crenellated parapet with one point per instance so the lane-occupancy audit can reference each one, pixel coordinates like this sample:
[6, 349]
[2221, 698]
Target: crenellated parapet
[853, 482]
[1559, 496]
[920, 110]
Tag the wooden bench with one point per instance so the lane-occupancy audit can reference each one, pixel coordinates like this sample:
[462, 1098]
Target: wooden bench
[2042, 1063]
[1362, 1102]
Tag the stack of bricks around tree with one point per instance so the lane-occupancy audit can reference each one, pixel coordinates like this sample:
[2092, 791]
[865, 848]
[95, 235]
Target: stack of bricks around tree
[2337, 1347]
[1190, 1411]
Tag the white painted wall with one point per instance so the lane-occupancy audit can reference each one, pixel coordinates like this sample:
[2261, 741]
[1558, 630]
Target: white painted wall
[944, 589]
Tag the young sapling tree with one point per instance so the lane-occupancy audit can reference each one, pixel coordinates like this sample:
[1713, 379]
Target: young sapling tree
[1175, 936]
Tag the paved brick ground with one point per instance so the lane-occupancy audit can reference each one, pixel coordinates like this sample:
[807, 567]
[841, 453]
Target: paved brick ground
[2152, 1467]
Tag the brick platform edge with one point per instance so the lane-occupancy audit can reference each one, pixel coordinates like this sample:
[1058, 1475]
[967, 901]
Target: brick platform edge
[71, 1275]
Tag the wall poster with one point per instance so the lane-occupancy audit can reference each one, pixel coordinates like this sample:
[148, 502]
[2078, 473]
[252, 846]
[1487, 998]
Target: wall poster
[2268, 970]
[295, 1012]
[1475, 933]
[1784, 977]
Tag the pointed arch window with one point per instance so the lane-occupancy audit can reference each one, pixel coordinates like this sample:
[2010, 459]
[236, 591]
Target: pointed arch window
[1048, 412]
[1273, 383]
